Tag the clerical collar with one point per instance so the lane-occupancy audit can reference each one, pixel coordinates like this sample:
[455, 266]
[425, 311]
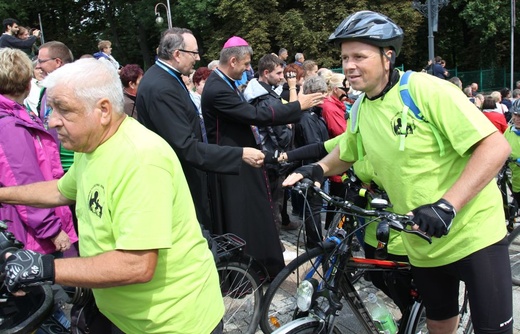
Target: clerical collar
[170, 66]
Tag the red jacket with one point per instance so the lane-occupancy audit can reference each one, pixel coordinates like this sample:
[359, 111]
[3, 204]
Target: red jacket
[498, 120]
[333, 111]
[334, 115]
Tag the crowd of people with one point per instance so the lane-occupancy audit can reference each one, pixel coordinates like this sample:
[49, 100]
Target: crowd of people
[109, 155]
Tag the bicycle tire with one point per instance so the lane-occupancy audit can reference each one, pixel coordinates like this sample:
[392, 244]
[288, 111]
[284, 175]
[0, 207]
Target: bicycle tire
[304, 326]
[465, 324]
[25, 314]
[417, 320]
[279, 303]
[514, 255]
[242, 294]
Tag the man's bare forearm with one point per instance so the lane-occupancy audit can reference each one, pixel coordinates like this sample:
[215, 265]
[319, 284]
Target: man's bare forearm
[485, 162]
[39, 194]
[332, 164]
[113, 268]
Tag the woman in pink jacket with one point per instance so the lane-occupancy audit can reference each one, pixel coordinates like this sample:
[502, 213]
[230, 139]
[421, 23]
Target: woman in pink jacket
[28, 153]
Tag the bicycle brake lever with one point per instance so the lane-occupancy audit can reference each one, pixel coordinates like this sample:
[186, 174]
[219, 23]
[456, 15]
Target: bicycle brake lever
[400, 227]
[420, 234]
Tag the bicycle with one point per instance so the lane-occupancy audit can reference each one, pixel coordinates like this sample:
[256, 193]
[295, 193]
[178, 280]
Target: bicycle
[514, 255]
[511, 213]
[509, 203]
[307, 296]
[240, 283]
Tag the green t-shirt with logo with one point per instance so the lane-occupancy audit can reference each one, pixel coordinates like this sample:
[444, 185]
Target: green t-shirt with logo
[418, 175]
[131, 194]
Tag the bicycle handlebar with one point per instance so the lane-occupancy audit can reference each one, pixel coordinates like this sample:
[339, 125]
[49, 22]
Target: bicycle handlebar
[396, 221]
[8, 242]
[21, 314]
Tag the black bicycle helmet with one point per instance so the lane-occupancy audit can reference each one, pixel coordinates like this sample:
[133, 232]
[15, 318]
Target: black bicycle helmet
[515, 108]
[370, 27]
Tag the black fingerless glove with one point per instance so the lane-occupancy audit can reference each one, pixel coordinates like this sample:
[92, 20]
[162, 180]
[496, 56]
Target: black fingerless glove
[26, 268]
[313, 172]
[435, 219]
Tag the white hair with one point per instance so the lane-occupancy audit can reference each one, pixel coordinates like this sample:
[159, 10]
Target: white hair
[212, 65]
[91, 81]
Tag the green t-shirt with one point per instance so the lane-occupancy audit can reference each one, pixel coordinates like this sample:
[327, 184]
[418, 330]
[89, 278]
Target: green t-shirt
[66, 157]
[418, 175]
[514, 141]
[131, 194]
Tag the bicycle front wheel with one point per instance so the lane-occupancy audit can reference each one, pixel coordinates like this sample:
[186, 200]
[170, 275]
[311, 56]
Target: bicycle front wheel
[242, 294]
[514, 255]
[279, 305]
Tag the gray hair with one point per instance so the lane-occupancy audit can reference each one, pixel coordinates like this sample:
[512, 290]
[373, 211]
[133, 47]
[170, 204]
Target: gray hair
[91, 81]
[237, 51]
[172, 40]
[212, 65]
[314, 84]
[298, 56]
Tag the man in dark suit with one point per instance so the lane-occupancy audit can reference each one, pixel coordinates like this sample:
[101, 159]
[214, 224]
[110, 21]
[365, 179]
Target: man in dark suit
[165, 106]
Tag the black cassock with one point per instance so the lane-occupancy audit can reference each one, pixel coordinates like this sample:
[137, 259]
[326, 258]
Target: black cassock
[242, 202]
[165, 107]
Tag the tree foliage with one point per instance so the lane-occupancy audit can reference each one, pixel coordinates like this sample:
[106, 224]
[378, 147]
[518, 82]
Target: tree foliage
[472, 33]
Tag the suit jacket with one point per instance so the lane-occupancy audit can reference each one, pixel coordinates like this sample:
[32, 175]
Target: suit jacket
[165, 107]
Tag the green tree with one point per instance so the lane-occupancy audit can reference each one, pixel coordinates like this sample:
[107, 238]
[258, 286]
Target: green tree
[472, 34]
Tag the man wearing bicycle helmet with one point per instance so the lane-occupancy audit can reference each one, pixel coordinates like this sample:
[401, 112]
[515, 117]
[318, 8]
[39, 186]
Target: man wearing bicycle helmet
[438, 165]
[512, 135]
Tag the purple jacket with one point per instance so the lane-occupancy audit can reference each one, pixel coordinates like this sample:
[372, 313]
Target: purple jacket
[29, 154]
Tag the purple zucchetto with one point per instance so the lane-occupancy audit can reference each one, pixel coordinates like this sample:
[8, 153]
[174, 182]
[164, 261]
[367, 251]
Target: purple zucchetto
[235, 41]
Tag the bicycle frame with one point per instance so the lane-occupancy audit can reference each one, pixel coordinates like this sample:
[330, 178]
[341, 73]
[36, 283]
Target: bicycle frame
[346, 287]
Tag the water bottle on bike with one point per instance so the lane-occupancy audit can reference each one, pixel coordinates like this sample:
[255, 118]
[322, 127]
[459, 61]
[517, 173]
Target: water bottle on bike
[381, 315]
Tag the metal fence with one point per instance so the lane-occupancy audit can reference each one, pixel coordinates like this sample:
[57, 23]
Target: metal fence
[487, 80]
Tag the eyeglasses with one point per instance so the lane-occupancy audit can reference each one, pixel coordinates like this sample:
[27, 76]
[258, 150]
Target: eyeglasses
[193, 53]
[41, 61]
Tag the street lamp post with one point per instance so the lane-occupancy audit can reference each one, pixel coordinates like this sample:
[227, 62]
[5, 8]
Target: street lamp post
[430, 9]
[158, 17]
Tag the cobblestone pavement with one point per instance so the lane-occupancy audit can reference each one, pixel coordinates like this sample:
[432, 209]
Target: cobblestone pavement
[290, 240]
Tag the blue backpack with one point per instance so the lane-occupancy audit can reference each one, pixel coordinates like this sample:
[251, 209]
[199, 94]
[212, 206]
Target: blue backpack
[408, 104]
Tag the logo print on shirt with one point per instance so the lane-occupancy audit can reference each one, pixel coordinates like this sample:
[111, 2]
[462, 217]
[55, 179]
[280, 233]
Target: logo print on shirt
[96, 200]
[397, 125]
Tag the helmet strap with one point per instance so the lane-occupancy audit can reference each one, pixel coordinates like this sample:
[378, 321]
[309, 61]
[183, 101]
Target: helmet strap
[393, 76]
[391, 59]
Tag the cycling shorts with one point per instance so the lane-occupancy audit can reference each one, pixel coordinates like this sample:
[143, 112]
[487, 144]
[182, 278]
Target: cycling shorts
[487, 275]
